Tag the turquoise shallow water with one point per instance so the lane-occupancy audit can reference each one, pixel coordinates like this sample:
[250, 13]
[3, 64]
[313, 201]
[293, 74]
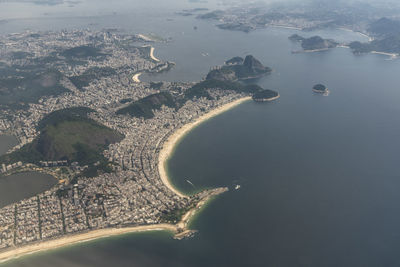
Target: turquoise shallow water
[319, 175]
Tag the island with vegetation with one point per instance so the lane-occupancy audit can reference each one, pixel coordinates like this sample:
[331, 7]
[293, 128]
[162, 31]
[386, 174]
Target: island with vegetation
[265, 96]
[320, 88]
[314, 44]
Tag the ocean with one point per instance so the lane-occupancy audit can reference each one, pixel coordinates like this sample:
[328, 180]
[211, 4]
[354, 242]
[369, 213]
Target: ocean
[318, 175]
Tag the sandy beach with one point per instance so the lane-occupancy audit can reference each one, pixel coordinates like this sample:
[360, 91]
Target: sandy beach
[135, 77]
[81, 237]
[268, 99]
[285, 27]
[391, 55]
[173, 140]
[152, 55]
[179, 229]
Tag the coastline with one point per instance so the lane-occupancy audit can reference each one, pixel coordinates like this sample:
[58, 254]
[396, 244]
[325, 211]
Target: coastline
[79, 238]
[391, 55]
[152, 55]
[180, 229]
[268, 99]
[135, 77]
[169, 146]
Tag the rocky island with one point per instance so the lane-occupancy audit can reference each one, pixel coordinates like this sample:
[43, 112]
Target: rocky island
[314, 44]
[320, 88]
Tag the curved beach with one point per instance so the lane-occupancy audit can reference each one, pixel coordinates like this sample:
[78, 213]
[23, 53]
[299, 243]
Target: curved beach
[81, 237]
[173, 140]
[135, 77]
[268, 99]
[152, 55]
[179, 229]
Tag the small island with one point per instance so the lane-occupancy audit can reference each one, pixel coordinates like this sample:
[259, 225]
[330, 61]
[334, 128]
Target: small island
[314, 44]
[320, 88]
[265, 96]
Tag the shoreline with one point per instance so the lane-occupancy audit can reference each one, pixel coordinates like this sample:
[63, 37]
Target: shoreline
[135, 77]
[267, 99]
[80, 238]
[169, 146]
[180, 229]
[285, 27]
[152, 54]
[391, 55]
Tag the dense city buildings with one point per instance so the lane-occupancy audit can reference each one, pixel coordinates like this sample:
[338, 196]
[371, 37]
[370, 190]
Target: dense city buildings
[133, 193]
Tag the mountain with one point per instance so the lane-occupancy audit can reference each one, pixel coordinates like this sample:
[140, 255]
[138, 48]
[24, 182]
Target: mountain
[234, 61]
[250, 68]
[143, 108]
[384, 27]
[68, 134]
[317, 43]
[389, 44]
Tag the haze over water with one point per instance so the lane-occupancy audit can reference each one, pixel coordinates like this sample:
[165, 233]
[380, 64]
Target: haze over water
[319, 175]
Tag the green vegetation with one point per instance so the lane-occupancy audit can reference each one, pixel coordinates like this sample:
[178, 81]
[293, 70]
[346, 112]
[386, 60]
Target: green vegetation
[387, 38]
[69, 134]
[125, 100]
[320, 88]
[91, 75]
[175, 215]
[222, 79]
[389, 44]
[156, 85]
[250, 69]
[82, 52]
[384, 27]
[144, 107]
[28, 85]
[264, 95]
[313, 43]
[200, 89]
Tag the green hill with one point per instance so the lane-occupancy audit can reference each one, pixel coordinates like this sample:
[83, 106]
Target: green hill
[143, 108]
[68, 134]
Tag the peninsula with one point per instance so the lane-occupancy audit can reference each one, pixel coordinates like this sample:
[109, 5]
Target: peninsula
[265, 96]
